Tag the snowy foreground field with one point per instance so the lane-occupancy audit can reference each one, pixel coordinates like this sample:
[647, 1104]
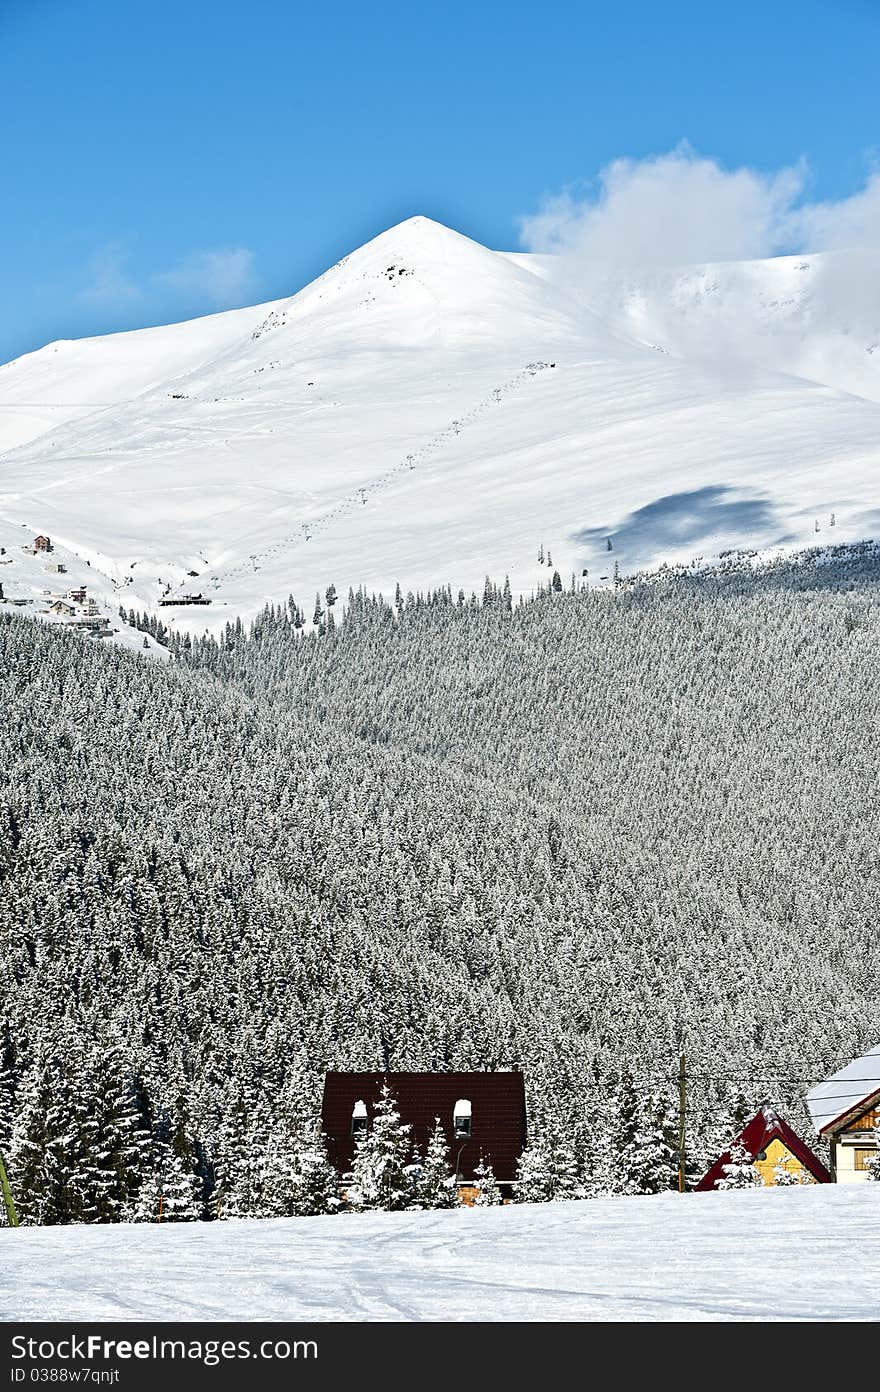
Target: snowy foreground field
[784, 1254]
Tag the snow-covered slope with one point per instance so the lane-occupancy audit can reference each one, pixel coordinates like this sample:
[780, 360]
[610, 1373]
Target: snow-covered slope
[429, 412]
[73, 378]
[816, 317]
[765, 1254]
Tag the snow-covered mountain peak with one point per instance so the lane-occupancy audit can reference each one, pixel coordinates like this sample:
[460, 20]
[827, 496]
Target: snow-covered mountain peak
[430, 411]
[421, 283]
[420, 240]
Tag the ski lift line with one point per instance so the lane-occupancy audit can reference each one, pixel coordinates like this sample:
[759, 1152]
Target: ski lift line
[792, 1077]
[498, 393]
[782, 1073]
[771, 1078]
[842, 1096]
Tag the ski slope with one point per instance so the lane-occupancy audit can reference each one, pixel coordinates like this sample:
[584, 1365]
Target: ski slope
[429, 411]
[766, 1254]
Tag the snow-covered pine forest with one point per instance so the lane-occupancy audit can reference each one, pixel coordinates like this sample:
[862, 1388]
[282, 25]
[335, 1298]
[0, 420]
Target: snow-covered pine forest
[563, 835]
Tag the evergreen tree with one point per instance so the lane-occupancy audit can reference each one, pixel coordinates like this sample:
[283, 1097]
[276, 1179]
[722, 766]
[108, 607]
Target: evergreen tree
[649, 1159]
[8, 1087]
[436, 1185]
[111, 1137]
[618, 1165]
[783, 1177]
[547, 1170]
[379, 1177]
[488, 1191]
[172, 1188]
[46, 1150]
[315, 1182]
[740, 1172]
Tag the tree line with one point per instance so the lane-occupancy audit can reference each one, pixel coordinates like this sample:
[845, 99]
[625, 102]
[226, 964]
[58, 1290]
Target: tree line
[576, 835]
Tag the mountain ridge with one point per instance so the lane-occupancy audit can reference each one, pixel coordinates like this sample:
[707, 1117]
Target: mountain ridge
[430, 411]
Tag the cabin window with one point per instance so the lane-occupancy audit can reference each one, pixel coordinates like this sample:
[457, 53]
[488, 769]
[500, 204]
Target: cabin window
[461, 1119]
[862, 1155]
[358, 1118]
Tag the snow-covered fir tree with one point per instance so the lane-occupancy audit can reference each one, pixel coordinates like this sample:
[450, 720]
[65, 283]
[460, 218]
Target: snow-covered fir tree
[379, 1175]
[488, 1189]
[112, 1139]
[45, 1156]
[436, 1186]
[632, 1146]
[739, 1171]
[649, 1158]
[784, 1176]
[311, 1186]
[548, 1168]
[171, 1190]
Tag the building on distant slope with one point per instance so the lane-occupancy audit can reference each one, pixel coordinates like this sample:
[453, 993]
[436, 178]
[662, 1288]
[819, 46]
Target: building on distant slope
[846, 1112]
[42, 543]
[770, 1141]
[95, 623]
[483, 1115]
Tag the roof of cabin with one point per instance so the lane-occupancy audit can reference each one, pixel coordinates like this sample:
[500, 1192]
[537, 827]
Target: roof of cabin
[498, 1114]
[766, 1126]
[850, 1090]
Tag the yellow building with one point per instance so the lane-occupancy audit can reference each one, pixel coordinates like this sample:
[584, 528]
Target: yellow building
[770, 1145]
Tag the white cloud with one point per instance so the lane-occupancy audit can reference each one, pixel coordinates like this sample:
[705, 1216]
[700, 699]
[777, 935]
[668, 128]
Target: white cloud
[626, 243]
[223, 278]
[211, 279]
[110, 287]
[681, 208]
[850, 224]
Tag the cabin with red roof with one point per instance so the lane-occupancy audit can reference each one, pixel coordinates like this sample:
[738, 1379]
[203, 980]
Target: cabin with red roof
[770, 1142]
[483, 1115]
[42, 543]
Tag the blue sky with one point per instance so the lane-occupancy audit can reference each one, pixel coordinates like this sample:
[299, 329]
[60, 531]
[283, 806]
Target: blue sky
[166, 159]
